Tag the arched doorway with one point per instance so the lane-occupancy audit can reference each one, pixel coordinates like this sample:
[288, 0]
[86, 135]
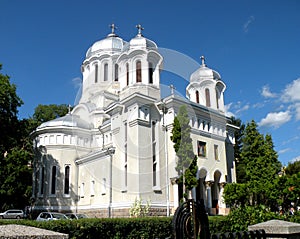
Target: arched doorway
[215, 191]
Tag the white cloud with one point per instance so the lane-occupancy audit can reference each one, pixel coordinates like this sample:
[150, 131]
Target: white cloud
[244, 108]
[284, 151]
[265, 92]
[291, 92]
[275, 119]
[295, 159]
[246, 24]
[297, 106]
[228, 113]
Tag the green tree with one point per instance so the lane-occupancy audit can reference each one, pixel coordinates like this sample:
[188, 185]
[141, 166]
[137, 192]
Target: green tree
[44, 113]
[261, 168]
[238, 135]
[186, 159]
[15, 149]
[292, 168]
[9, 103]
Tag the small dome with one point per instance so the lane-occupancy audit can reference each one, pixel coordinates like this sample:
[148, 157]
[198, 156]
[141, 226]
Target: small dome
[203, 72]
[112, 43]
[68, 120]
[140, 42]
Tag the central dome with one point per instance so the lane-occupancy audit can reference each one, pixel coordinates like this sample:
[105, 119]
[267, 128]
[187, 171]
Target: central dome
[111, 44]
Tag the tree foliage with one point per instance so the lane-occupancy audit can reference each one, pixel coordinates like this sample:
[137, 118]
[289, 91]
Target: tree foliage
[44, 113]
[15, 149]
[186, 159]
[261, 167]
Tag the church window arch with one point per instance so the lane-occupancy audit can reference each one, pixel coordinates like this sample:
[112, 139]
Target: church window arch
[138, 71]
[105, 72]
[116, 72]
[151, 71]
[53, 180]
[207, 97]
[127, 74]
[197, 97]
[67, 180]
[217, 98]
[96, 73]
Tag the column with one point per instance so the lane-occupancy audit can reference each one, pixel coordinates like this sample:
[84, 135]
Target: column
[208, 193]
[221, 199]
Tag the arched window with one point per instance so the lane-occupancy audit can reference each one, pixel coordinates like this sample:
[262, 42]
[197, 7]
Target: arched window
[53, 180]
[217, 99]
[116, 72]
[105, 72]
[197, 96]
[151, 71]
[67, 180]
[96, 73]
[127, 74]
[42, 180]
[207, 97]
[138, 71]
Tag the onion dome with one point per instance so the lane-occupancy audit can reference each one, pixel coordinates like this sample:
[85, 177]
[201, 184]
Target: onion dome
[203, 72]
[68, 120]
[111, 44]
[140, 42]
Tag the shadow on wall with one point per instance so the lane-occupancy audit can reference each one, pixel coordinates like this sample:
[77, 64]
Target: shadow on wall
[52, 188]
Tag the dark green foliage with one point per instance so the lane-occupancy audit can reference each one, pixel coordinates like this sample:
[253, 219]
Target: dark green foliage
[261, 168]
[186, 159]
[44, 113]
[292, 168]
[240, 218]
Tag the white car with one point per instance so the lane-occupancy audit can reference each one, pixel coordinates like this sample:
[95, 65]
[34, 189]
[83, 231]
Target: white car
[48, 216]
[75, 215]
[12, 214]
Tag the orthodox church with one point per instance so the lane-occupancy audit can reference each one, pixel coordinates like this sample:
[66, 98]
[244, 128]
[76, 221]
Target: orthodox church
[114, 146]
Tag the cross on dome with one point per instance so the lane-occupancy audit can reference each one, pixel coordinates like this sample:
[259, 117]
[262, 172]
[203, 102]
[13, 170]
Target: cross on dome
[140, 29]
[203, 60]
[113, 28]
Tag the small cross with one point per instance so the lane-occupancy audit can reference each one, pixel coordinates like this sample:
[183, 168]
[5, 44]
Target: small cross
[140, 29]
[69, 109]
[203, 60]
[113, 28]
[172, 89]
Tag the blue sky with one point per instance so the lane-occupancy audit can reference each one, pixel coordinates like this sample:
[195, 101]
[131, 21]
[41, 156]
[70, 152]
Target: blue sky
[254, 45]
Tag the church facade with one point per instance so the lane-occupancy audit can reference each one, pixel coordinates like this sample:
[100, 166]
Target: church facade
[114, 147]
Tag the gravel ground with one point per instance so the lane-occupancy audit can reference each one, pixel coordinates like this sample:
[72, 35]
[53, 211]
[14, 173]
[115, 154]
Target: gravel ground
[24, 232]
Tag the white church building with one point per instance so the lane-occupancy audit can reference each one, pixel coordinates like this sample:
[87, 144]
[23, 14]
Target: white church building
[114, 146]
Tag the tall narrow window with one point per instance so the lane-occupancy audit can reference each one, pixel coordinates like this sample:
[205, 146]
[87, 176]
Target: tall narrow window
[125, 160]
[197, 96]
[105, 72]
[96, 73]
[201, 149]
[67, 180]
[103, 189]
[53, 180]
[216, 152]
[138, 71]
[154, 160]
[207, 97]
[116, 72]
[217, 99]
[82, 190]
[127, 74]
[151, 71]
[42, 181]
[92, 189]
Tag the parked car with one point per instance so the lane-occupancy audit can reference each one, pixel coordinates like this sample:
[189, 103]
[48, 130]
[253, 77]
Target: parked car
[75, 215]
[12, 214]
[47, 216]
